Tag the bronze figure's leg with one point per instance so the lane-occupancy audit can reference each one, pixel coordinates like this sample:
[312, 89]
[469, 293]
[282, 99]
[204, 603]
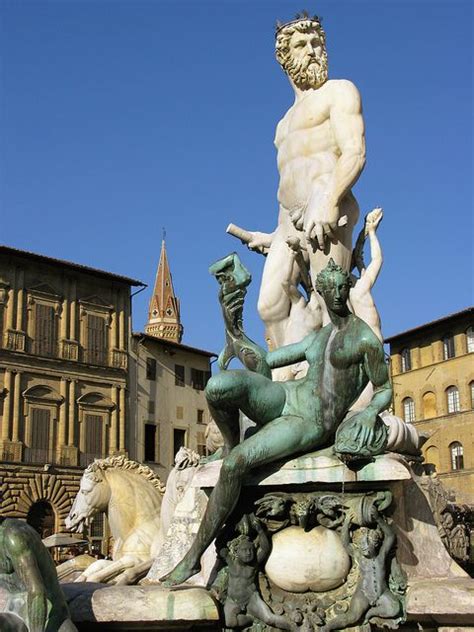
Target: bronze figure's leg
[280, 438]
[231, 391]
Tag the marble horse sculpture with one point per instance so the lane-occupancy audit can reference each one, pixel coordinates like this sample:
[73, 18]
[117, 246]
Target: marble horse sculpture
[131, 495]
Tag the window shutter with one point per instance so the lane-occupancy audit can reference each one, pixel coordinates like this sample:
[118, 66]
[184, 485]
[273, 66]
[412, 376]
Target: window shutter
[93, 447]
[38, 452]
[45, 330]
[96, 339]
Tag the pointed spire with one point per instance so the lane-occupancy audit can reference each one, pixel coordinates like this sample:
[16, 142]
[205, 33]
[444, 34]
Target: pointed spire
[164, 311]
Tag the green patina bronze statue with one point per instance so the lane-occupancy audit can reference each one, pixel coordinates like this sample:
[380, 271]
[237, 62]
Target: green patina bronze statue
[27, 572]
[300, 416]
[233, 279]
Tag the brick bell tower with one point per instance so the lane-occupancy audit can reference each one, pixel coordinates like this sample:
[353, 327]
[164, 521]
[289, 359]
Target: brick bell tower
[164, 312]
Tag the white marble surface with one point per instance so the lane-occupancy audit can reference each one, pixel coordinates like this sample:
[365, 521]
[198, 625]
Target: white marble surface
[307, 560]
[144, 604]
[314, 469]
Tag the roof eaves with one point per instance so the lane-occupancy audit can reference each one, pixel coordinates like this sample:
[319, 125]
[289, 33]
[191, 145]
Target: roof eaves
[432, 323]
[9, 250]
[177, 345]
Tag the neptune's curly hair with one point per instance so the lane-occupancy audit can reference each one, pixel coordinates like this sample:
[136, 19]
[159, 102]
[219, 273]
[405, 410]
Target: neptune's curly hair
[327, 273]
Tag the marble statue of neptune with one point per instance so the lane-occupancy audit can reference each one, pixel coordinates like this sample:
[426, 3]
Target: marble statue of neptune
[321, 153]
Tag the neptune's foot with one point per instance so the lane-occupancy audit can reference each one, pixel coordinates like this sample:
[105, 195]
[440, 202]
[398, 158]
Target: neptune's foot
[180, 574]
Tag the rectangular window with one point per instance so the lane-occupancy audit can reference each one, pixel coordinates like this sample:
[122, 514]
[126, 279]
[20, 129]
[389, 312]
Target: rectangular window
[179, 412]
[150, 442]
[199, 379]
[457, 456]
[454, 405]
[201, 444]
[406, 360]
[38, 451]
[409, 410]
[470, 339]
[45, 330]
[150, 369]
[179, 440]
[97, 526]
[96, 339]
[93, 448]
[448, 347]
[151, 407]
[178, 375]
[200, 416]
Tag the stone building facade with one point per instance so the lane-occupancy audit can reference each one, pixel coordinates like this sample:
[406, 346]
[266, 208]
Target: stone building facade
[167, 386]
[432, 371]
[64, 345]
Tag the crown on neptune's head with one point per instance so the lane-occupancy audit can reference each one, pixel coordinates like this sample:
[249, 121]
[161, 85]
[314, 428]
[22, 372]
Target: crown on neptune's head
[304, 16]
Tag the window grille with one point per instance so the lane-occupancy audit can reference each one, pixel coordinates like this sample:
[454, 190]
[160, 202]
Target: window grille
[406, 360]
[470, 339]
[452, 394]
[457, 455]
[448, 347]
[409, 410]
[97, 526]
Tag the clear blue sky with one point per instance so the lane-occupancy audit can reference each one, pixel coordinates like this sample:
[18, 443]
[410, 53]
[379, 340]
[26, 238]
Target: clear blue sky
[119, 118]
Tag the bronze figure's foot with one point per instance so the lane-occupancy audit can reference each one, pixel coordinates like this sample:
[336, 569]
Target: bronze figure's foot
[179, 574]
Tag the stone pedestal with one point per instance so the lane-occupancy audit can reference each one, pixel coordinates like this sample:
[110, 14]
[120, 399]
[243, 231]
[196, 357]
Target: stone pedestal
[96, 607]
[437, 590]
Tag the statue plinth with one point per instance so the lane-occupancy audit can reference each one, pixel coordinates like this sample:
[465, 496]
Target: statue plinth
[314, 468]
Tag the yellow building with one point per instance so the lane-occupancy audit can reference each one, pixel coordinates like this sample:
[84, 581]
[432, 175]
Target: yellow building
[170, 407]
[64, 345]
[432, 372]
[167, 382]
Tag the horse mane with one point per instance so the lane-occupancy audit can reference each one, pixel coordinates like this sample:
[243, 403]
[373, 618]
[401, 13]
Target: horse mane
[121, 462]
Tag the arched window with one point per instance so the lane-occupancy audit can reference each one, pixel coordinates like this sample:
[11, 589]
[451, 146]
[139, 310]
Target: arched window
[429, 405]
[408, 410]
[448, 347]
[452, 395]
[457, 455]
[470, 339]
[406, 360]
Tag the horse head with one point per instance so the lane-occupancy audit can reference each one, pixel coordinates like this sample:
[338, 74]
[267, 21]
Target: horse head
[93, 496]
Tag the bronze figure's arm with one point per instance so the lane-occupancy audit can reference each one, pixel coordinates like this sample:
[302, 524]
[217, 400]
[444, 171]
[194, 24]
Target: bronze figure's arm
[289, 354]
